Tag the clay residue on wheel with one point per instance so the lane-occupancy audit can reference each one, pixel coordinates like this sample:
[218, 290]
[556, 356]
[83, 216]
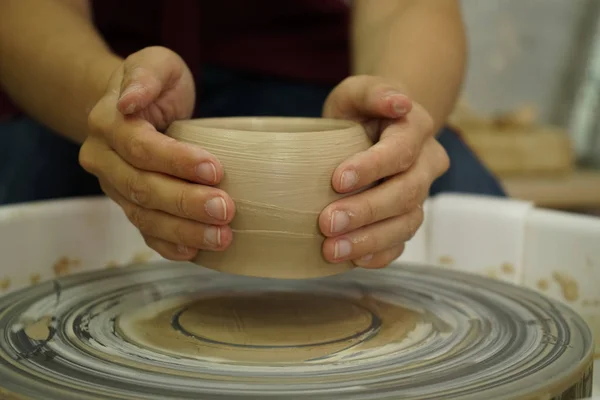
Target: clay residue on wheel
[111, 264]
[141, 258]
[5, 283]
[568, 286]
[40, 329]
[268, 328]
[446, 260]
[34, 279]
[65, 265]
[543, 284]
[507, 268]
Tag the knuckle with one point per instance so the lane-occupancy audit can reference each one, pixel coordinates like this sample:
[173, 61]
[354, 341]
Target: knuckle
[140, 218]
[94, 119]
[378, 164]
[444, 159]
[370, 211]
[415, 222]
[182, 234]
[427, 123]
[374, 243]
[406, 155]
[397, 252]
[183, 203]
[161, 52]
[136, 150]
[149, 242]
[107, 190]
[133, 74]
[411, 195]
[86, 157]
[138, 190]
[354, 79]
[382, 262]
[179, 166]
[160, 247]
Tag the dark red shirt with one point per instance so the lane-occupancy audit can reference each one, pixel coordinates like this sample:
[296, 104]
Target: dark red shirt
[304, 40]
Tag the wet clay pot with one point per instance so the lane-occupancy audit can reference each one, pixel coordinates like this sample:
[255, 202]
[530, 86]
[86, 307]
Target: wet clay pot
[278, 172]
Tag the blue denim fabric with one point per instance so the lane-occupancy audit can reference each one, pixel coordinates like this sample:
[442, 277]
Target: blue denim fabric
[36, 164]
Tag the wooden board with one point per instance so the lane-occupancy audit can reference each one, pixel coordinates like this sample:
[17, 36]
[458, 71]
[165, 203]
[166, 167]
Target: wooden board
[540, 151]
[515, 143]
[580, 189]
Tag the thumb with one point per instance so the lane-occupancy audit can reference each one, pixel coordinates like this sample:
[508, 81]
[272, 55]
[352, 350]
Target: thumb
[361, 96]
[145, 76]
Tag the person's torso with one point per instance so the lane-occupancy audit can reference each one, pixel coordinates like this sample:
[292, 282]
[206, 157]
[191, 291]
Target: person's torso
[297, 39]
[302, 40]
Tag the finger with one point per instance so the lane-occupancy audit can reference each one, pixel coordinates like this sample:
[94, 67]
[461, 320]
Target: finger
[381, 259]
[395, 196]
[361, 97]
[172, 229]
[397, 150]
[373, 238]
[162, 192]
[142, 146]
[170, 251]
[147, 74]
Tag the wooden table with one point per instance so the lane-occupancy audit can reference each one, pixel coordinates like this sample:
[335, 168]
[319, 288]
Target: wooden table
[579, 190]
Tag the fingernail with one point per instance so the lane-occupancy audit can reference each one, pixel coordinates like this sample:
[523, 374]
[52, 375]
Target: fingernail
[212, 236]
[397, 102]
[183, 249]
[366, 258]
[342, 249]
[399, 109]
[348, 180]
[339, 221]
[130, 89]
[216, 208]
[207, 171]
[130, 109]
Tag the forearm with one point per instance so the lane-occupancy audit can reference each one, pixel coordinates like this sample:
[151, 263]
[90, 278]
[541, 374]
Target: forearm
[53, 63]
[417, 43]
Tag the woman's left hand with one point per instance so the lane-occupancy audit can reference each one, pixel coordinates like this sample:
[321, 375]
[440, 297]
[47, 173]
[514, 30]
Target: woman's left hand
[371, 227]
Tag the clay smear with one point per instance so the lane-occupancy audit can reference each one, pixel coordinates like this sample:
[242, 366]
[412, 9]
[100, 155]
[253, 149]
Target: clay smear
[40, 329]
[568, 286]
[268, 328]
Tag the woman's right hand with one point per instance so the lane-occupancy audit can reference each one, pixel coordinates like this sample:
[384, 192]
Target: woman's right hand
[163, 185]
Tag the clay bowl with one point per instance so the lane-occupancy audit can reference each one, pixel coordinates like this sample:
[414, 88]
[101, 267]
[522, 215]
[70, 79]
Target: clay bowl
[278, 172]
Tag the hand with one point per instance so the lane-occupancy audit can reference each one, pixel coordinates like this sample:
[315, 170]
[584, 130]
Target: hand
[372, 226]
[162, 185]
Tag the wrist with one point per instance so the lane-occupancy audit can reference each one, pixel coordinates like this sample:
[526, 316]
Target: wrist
[97, 70]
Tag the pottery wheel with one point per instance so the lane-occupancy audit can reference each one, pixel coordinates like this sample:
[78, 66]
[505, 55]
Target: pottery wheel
[170, 330]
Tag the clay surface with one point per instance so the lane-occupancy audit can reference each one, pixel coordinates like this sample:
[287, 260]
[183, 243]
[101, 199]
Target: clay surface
[278, 172]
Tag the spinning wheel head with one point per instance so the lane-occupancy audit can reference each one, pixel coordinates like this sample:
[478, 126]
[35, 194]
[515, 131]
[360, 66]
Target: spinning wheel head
[179, 331]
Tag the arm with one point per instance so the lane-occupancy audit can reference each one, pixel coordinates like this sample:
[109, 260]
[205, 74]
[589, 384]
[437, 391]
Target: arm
[58, 69]
[407, 70]
[419, 44]
[53, 63]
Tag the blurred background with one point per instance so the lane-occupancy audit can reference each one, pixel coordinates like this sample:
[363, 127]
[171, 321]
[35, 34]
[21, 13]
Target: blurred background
[531, 103]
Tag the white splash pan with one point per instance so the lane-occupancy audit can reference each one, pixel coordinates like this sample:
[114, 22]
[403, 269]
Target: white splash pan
[555, 253]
